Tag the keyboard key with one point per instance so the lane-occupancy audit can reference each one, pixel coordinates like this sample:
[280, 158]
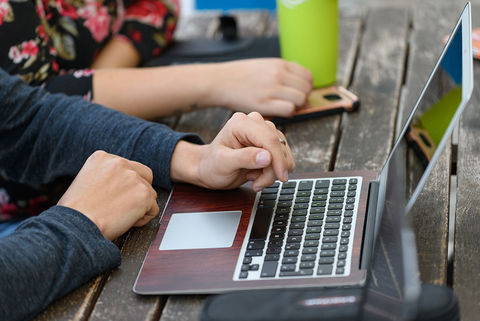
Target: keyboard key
[302, 212]
[247, 260]
[282, 210]
[304, 194]
[289, 260]
[344, 241]
[284, 204]
[243, 275]
[308, 257]
[317, 198]
[349, 206]
[330, 233]
[335, 206]
[347, 220]
[297, 225]
[280, 223]
[269, 269]
[298, 206]
[346, 227]
[309, 250]
[320, 191]
[314, 229]
[330, 239]
[261, 223]
[272, 257]
[268, 197]
[337, 194]
[290, 253]
[345, 234]
[334, 213]
[348, 214]
[307, 265]
[288, 197]
[305, 185]
[287, 267]
[296, 219]
[332, 226]
[294, 239]
[340, 270]
[327, 253]
[312, 236]
[324, 269]
[290, 273]
[343, 248]
[295, 232]
[342, 255]
[333, 219]
[277, 236]
[317, 210]
[274, 250]
[336, 200]
[292, 246]
[340, 263]
[352, 187]
[245, 267]
[339, 181]
[322, 184]
[290, 184]
[311, 244]
[338, 187]
[270, 190]
[350, 200]
[319, 204]
[275, 185]
[325, 260]
[351, 194]
[254, 253]
[266, 203]
[256, 245]
[302, 200]
[282, 216]
[254, 267]
[275, 243]
[287, 191]
[316, 217]
[313, 223]
[329, 246]
[353, 181]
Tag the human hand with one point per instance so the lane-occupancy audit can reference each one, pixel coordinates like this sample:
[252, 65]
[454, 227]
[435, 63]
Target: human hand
[248, 148]
[114, 193]
[270, 86]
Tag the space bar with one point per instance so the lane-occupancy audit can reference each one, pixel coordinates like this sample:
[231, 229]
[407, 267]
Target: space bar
[261, 224]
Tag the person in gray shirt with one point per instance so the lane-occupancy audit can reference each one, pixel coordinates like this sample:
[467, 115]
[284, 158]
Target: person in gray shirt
[118, 160]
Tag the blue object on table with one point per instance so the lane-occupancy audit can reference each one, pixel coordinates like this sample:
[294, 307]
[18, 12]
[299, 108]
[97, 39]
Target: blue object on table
[238, 4]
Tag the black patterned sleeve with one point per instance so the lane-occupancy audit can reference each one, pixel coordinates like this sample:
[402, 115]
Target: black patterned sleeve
[149, 25]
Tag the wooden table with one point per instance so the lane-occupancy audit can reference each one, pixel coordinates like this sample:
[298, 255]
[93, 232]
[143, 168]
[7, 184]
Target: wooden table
[386, 55]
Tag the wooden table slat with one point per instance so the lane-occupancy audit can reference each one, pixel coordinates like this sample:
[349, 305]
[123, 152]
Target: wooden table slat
[367, 136]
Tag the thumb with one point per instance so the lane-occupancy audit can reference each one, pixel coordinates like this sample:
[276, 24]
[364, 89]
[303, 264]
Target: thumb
[247, 158]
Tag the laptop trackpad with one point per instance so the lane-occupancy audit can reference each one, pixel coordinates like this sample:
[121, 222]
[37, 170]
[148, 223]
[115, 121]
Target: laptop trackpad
[203, 230]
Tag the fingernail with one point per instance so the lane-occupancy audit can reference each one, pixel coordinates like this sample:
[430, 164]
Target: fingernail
[285, 175]
[263, 158]
[257, 188]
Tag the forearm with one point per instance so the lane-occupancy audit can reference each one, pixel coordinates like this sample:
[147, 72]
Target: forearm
[118, 53]
[155, 92]
[47, 257]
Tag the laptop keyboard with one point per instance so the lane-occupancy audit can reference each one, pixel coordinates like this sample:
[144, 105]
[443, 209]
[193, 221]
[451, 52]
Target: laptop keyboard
[302, 228]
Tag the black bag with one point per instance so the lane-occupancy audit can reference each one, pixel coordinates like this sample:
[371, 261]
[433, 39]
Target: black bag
[436, 303]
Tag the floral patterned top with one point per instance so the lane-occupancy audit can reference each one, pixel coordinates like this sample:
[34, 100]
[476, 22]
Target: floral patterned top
[52, 43]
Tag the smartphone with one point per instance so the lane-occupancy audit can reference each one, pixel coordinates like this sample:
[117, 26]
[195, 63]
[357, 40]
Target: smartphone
[322, 102]
[422, 144]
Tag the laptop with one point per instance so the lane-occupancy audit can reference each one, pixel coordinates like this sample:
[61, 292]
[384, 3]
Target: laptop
[316, 230]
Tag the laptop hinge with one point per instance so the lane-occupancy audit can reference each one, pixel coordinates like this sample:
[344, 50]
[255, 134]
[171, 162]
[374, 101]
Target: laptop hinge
[369, 227]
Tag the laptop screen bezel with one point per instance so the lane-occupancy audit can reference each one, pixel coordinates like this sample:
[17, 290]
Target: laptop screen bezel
[467, 88]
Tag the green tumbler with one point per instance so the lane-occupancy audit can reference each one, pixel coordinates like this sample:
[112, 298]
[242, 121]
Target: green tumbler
[308, 33]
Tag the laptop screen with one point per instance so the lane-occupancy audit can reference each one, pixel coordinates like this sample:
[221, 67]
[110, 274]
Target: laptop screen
[428, 127]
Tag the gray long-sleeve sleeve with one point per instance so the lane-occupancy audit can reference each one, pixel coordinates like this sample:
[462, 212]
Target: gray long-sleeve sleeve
[44, 136]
